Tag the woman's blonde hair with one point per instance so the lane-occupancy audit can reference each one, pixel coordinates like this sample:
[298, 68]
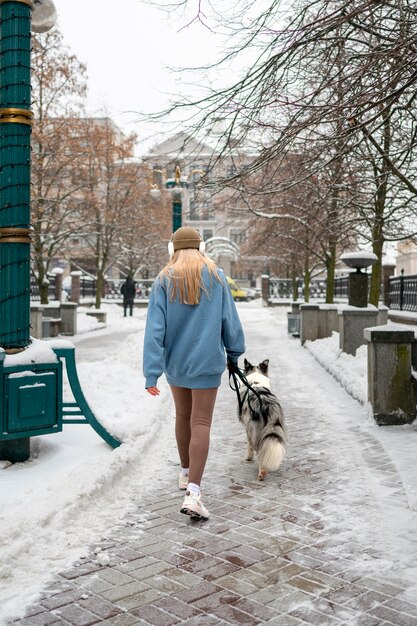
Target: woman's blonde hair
[184, 275]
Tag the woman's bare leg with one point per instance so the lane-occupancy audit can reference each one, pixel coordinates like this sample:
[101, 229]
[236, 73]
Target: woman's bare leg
[194, 412]
[183, 405]
[201, 418]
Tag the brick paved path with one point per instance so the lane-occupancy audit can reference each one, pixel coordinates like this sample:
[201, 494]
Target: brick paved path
[325, 540]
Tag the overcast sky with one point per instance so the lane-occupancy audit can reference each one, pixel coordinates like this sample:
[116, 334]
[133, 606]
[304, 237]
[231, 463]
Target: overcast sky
[127, 47]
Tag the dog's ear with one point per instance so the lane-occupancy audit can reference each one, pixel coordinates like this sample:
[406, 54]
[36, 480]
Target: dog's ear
[247, 365]
[264, 366]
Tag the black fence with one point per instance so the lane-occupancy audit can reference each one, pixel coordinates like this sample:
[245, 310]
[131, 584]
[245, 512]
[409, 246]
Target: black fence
[282, 288]
[341, 287]
[143, 288]
[88, 286]
[34, 289]
[403, 292]
[402, 289]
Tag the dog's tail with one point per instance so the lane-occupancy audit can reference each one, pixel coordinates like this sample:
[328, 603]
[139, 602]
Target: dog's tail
[271, 451]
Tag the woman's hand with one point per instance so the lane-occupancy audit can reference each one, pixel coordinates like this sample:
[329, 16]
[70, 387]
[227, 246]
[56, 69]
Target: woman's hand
[154, 391]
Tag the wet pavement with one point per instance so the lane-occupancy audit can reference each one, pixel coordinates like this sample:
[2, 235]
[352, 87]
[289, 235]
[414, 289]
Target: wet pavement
[327, 539]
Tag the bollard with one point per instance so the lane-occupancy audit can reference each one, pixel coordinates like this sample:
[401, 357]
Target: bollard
[36, 314]
[388, 270]
[352, 323]
[58, 272]
[390, 382]
[309, 322]
[69, 318]
[75, 286]
[265, 289]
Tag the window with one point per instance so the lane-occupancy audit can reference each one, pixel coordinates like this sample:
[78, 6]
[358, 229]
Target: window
[207, 234]
[200, 209]
[238, 236]
[157, 172]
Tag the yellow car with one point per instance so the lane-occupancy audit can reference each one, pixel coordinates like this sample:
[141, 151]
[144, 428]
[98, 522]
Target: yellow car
[238, 294]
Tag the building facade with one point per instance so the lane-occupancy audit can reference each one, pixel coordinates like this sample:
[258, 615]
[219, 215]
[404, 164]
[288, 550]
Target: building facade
[206, 206]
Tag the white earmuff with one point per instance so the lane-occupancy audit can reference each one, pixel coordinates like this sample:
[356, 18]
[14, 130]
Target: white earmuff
[202, 247]
[171, 249]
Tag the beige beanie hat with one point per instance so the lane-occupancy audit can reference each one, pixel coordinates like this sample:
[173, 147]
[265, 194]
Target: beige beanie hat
[186, 237]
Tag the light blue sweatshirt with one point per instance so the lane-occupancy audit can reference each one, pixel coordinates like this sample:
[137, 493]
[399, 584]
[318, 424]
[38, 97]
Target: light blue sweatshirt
[188, 342]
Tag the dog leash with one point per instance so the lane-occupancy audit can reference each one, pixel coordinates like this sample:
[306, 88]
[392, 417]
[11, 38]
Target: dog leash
[236, 374]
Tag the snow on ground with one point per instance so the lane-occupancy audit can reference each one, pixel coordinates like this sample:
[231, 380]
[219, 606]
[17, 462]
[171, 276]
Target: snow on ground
[350, 371]
[74, 486]
[400, 442]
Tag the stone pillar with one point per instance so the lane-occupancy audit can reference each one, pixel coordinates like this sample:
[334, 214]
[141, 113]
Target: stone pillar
[58, 272]
[75, 287]
[352, 323]
[309, 322]
[332, 318]
[358, 289]
[36, 314]
[388, 270]
[390, 388]
[328, 320]
[265, 289]
[382, 315]
[69, 318]
[52, 310]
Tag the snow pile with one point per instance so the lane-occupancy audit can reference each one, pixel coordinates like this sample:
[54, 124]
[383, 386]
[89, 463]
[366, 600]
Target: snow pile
[75, 486]
[36, 352]
[85, 322]
[399, 442]
[351, 371]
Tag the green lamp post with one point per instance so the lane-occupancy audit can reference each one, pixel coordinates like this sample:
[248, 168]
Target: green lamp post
[176, 186]
[30, 399]
[30, 385]
[15, 130]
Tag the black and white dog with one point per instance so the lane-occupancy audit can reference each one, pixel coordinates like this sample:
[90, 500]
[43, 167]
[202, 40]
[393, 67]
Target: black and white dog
[263, 419]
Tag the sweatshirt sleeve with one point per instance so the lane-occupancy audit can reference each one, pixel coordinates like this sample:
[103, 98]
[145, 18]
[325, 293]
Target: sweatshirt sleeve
[154, 342]
[232, 331]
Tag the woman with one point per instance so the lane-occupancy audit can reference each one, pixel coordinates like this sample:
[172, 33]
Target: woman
[191, 322]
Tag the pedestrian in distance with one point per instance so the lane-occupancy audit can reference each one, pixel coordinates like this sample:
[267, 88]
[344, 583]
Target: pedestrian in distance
[191, 325]
[128, 291]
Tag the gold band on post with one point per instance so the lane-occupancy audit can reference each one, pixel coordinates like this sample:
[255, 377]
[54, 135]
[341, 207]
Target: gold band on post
[15, 235]
[14, 115]
[16, 111]
[27, 2]
[13, 119]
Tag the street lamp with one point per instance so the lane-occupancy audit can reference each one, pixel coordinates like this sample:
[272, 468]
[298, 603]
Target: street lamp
[176, 186]
[26, 403]
[31, 401]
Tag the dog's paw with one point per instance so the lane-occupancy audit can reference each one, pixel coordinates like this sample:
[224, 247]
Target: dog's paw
[249, 458]
[261, 475]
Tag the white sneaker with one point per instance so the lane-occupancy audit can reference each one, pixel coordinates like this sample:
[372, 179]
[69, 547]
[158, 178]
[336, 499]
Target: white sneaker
[193, 507]
[183, 481]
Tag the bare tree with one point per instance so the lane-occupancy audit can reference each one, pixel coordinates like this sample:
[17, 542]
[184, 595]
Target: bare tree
[306, 216]
[141, 248]
[59, 84]
[335, 80]
[106, 187]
